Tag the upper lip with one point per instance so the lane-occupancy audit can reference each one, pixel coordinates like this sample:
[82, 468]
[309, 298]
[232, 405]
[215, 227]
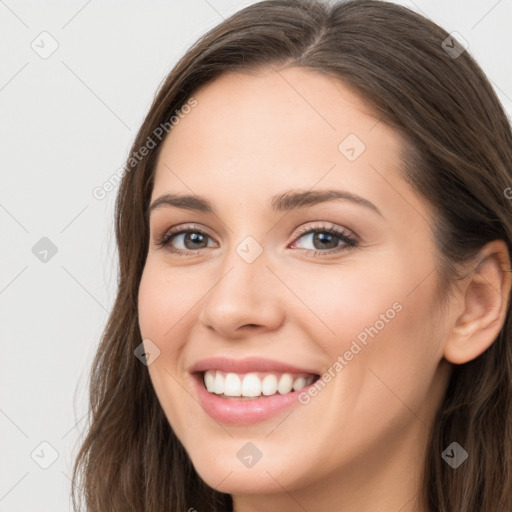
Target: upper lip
[250, 364]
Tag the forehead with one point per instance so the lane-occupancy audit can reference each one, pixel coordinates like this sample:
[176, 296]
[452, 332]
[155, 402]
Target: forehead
[290, 112]
[275, 130]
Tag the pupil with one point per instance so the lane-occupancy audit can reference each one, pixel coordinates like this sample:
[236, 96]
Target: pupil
[321, 236]
[193, 237]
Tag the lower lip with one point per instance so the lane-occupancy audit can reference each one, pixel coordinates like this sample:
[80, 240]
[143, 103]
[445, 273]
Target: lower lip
[243, 412]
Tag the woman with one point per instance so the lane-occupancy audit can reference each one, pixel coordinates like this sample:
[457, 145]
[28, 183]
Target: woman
[313, 313]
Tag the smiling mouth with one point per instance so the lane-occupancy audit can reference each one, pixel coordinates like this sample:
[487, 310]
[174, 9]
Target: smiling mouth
[254, 385]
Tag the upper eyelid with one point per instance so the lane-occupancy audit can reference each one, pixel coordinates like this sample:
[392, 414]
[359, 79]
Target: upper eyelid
[178, 229]
[325, 225]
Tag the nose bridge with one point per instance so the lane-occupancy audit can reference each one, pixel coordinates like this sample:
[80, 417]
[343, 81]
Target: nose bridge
[244, 291]
[244, 276]
[247, 258]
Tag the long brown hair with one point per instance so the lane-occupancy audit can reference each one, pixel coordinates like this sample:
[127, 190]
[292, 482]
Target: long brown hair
[457, 154]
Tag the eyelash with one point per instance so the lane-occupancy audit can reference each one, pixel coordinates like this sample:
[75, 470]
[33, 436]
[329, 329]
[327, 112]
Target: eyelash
[350, 241]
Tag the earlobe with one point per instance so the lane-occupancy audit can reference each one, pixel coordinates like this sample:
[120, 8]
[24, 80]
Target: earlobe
[486, 297]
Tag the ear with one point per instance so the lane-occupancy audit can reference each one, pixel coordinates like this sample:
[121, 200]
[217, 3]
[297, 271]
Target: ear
[484, 304]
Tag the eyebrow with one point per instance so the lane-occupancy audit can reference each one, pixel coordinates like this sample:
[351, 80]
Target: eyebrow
[287, 201]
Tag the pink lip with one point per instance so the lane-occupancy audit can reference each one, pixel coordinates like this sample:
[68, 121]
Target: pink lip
[250, 364]
[244, 412]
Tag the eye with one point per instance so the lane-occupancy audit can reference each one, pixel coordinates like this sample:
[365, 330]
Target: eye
[192, 239]
[326, 239]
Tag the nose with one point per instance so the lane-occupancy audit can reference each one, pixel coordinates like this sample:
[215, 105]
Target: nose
[243, 298]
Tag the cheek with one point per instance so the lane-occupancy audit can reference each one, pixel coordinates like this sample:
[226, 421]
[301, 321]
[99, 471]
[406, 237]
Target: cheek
[373, 317]
[160, 307]
[346, 303]
[164, 302]
[392, 323]
[152, 304]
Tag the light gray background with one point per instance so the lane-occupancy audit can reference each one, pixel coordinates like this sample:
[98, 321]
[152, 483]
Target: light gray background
[67, 123]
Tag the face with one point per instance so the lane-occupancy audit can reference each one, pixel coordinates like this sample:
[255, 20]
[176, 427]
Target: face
[317, 308]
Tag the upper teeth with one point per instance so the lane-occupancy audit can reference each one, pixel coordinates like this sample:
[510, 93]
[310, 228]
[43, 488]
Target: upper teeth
[253, 384]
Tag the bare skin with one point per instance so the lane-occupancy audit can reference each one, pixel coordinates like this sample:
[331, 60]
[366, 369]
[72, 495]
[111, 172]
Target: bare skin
[359, 444]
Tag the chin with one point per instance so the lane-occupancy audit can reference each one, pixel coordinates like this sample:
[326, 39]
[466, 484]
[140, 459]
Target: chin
[229, 478]
[225, 472]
